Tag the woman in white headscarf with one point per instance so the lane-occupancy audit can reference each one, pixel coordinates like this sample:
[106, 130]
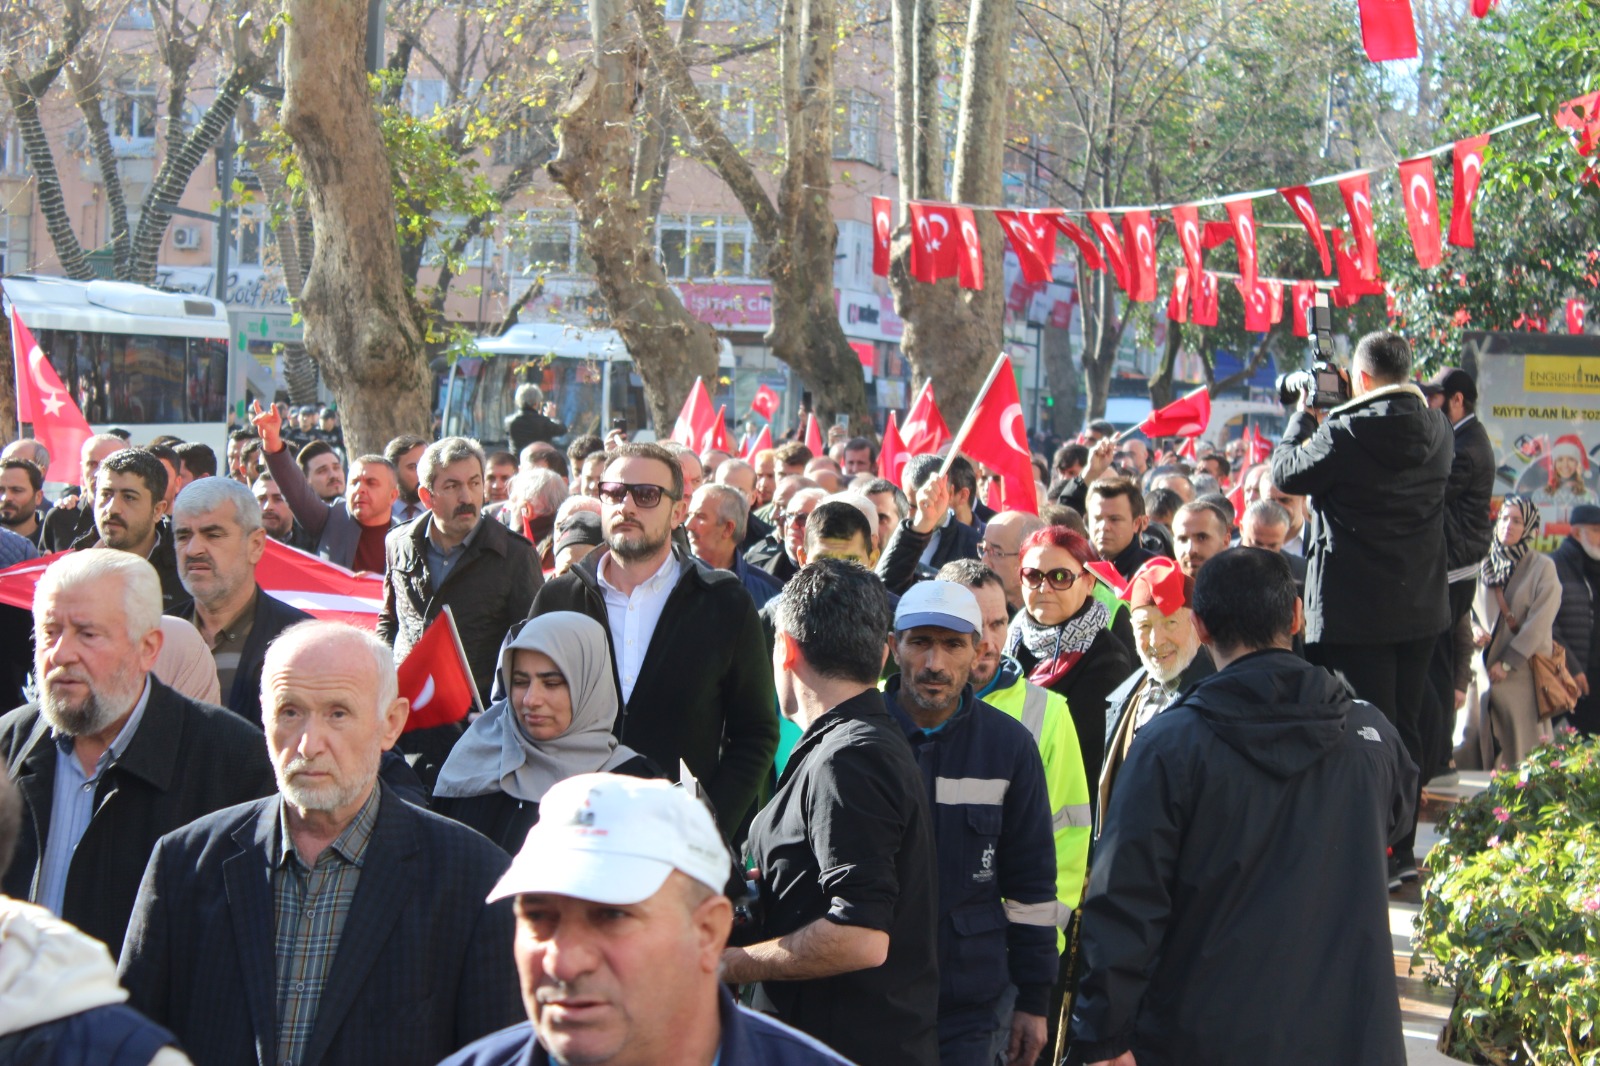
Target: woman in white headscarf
[556, 723]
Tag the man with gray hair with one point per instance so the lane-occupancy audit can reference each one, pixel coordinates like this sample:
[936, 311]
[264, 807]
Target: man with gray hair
[536, 495]
[533, 420]
[716, 527]
[216, 524]
[331, 922]
[741, 477]
[109, 758]
[1266, 525]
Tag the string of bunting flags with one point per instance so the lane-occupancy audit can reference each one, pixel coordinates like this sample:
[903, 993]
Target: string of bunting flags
[945, 242]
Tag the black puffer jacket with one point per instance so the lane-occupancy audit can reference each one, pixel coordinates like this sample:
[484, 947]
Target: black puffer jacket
[1467, 525]
[1237, 909]
[1376, 472]
[1574, 628]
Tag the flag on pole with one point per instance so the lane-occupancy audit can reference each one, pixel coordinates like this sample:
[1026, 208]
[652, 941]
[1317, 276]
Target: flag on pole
[814, 436]
[893, 455]
[42, 400]
[695, 417]
[1187, 416]
[924, 431]
[716, 434]
[996, 435]
[765, 402]
[763, 442]
[435, 677]
[1259, 447]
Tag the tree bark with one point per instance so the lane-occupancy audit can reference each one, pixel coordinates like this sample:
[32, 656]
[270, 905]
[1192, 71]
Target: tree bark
[85, 76]
[1160, 387]
[1102, 333]
[594, 164]
[1055, 348]
[361, 325]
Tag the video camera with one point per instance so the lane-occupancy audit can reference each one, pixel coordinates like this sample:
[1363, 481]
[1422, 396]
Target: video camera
[1329, 387]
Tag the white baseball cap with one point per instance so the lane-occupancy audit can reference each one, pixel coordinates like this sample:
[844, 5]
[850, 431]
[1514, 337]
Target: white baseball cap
[938, 603]
[609, 838]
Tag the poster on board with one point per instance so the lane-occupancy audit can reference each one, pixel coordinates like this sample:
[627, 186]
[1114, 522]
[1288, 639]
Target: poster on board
[1539, 400]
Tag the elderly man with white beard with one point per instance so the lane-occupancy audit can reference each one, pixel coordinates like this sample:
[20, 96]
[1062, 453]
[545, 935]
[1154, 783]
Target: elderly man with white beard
[1162, 599]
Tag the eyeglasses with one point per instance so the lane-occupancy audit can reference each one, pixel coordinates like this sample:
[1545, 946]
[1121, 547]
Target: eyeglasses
[794, 518]
[1060, 578]
[995, 550]
[646, 496]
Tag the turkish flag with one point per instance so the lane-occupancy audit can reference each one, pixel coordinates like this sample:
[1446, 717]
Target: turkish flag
[1260, 449]
[1062, 302]
[924, 430]
[1206, 301]
[763, 442]
[1422, 210]
[765, 402]
[1352, 286]
[58, 424]
[969, 267]
[1257, 306]
[1275, 300]
[1580, 116]
[1186, 219]
[935, 241]
[1178, 302]
[1107, 574]
[694, 418]
[1215, 234]
[894, 453]
[435, 677]
[1480, 8]
[1467, 159]
[1357, 192]
[1139, 250]
[1577, 312]
[1387, 30]
[1187, 416]
[1033, 238]
[996, 435]
[1187, 449]
[1305, 209]
[814, 436]
[1305, 296]
[1115, 256]
[1242, 213]
[1086, 247]
[716, 436]
[882, 227]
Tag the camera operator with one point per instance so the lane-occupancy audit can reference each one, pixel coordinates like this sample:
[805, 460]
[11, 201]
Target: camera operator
[1376, 597]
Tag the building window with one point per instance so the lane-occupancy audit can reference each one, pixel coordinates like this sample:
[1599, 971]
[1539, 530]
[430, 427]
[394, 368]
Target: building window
[708, 246]
[858, 114]
[13, 161]
[421, 97]
[251, 236]
[133, 111]
[545, 243]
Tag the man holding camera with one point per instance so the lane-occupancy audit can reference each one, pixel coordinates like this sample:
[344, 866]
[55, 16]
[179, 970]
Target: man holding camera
[1375, 467]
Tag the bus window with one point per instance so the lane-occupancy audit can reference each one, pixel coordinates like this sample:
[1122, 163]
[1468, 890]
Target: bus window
[137, 379]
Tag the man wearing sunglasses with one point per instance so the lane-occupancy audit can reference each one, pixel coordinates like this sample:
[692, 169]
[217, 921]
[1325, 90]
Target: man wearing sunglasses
[686, 646]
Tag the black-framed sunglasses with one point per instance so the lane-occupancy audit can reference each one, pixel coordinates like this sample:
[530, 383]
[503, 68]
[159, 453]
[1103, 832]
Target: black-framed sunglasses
[1060, 578]
[646, 496]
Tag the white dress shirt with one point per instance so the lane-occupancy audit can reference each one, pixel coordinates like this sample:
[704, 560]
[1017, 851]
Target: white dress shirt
[633, 618]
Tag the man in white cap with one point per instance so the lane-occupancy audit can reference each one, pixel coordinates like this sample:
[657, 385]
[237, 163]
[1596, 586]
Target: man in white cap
[621, 923]
[998, 912]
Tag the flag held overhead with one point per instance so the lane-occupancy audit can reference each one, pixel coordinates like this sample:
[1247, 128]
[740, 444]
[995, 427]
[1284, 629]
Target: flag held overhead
[435, 678]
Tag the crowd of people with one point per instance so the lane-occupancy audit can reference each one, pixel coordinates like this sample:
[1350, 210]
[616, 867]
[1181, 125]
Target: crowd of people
[782, 761]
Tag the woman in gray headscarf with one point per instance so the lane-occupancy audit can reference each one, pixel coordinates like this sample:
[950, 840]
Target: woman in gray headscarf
[556, 722]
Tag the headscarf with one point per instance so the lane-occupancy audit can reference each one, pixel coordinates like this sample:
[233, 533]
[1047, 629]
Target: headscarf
[1503, 558]
[497, 754]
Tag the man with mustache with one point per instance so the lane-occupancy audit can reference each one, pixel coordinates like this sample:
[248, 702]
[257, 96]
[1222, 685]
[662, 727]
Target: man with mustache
[332, 922]
[109, 758]
[996, 857]
[130, 503]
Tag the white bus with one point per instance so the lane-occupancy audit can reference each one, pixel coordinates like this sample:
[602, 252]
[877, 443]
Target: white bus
[148, 361]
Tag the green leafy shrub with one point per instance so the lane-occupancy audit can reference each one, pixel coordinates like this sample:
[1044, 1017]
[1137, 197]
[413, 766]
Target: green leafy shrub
[1511, 912]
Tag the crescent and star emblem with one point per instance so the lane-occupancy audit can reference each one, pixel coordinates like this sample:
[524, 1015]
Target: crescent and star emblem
[1012, 426]
[944, 231]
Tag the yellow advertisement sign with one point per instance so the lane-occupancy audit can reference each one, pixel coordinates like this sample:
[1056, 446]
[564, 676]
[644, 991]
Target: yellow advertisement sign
[1561, 373]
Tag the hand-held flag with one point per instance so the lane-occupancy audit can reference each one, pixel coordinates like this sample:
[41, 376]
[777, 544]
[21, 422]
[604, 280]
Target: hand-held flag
[996, 435]
[435, 677]
[42, 400]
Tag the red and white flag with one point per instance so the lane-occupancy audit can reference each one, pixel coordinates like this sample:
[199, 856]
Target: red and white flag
[1580, 117]
[882, 227]
[765, 402]
[763, 442]
[42, 400]
[893, 455]
[1467, 160]
[694, 418]
[969, 269]
[996, 435]
[1305, 209]
[935, 241]
[1388, 30]
[1577, 313]
[1305, 297]
[1186, 416]
[1139, 248]
[1257, 306]
[435, 677]
[1242, 213]
[716, 435]
[1033, 238]
[1260, 449]
[1422, 210]
[1186, 219]
[1178, 301]
[1357, 193]
[1352, 285]
[1106, 230]
[1086, 247]
[924, 430]
[814, 436]
[1207, 302]
[1275, 300]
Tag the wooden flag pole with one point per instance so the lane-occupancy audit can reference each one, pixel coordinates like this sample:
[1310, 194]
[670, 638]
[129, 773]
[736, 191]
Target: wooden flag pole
[972, 415]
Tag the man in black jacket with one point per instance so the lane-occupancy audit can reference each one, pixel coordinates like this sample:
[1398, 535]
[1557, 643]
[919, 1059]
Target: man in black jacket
[690, 663]
[931, 535]
[110, 758]
[1235, 911]
[1116, 520]
[130, 508]
[528, 424]
[1578, 565]
[1377, 471]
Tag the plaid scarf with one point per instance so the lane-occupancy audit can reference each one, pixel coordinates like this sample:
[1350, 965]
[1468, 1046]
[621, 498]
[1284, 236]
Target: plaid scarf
[1057, 648]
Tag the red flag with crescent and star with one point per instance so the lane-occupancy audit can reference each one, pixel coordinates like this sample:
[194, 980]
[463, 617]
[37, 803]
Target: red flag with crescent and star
[882, 227]
[924, 430]
[1178, 301]
[1257, 305]
[1305, 209]
[1115, 255]
[42, 400]
[1467, 160]
[1357, 193]
[935, 241]
[763, 442]
[996, 435]
[435, 677]
[716, 435]
[1580, 117]
[1388, 30]
[1242, 213]
[1033, 238]
[1186, 220]
[1305, 295]
[969, 267]
[1139, 248]
[1086, 247]
[1207, 301]
[694, 418]
[1352, 286]
[1422, 210]
[1577, 314]
[1186, 416]
[893, 455]
[765, 402]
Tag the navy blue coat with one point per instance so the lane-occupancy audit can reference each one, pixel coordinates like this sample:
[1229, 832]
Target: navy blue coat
[272, 616]
[423, 967]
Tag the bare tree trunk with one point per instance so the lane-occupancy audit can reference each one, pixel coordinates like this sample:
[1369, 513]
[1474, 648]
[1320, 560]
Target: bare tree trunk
[8, 389]
[1102, 333]
[360, 322]
[1161, 381]
[85, 77]
[594, 164]
[1055, 348]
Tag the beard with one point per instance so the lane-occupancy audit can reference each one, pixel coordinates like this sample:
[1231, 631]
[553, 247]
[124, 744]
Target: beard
[97, 710]
[14, 516]
[633, 545]
[1166, 673]
[334, 795]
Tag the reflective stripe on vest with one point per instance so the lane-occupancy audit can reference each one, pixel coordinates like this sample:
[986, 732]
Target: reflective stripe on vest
[1034, 702]
[984, 790]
